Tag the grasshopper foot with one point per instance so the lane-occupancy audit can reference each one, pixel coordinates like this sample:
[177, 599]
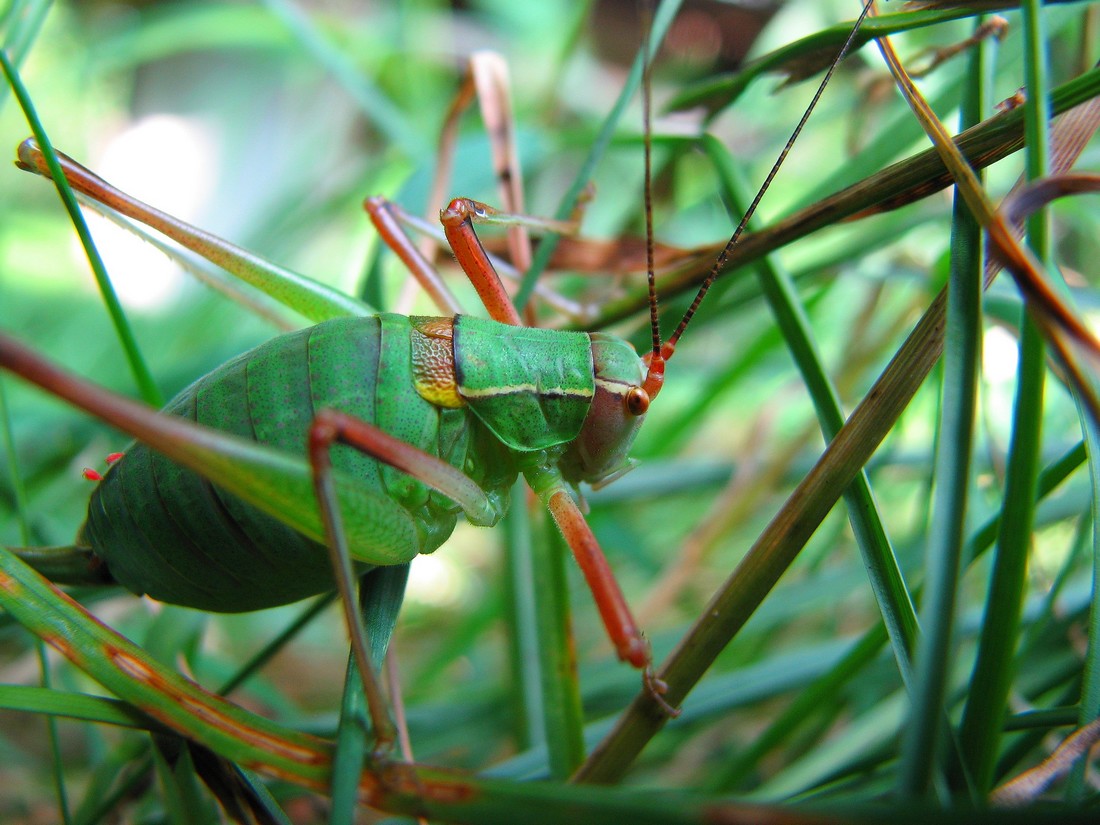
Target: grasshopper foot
[657, 688]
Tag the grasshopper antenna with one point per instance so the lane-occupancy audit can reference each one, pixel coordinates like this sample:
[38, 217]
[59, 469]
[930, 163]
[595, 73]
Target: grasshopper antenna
[661, 354]
[655, 376]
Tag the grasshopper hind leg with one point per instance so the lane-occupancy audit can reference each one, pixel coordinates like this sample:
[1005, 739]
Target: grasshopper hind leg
[330, 427]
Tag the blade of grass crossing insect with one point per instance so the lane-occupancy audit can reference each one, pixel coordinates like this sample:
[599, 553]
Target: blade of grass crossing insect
[882, 565]
[661, 22]
[954, 447]
[381, 592]
[525, 685]
[131, 674]
[142, 377]
[980, 731]
[563, 721]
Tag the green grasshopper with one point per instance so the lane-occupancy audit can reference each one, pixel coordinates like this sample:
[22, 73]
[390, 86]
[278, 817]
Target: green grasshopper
[445, 439]
[446, 411]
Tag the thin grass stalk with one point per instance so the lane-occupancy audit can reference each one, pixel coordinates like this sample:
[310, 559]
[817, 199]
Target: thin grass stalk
[1089, 701]
[60, 784]
[352, 744]
[962, 354]
[19, 497]
[983, 717]
[143, 378]
[269, 650]
[992, 677]
[563, 719]
[525, 682]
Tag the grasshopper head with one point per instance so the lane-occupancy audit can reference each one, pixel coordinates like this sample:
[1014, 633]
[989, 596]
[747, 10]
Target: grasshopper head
[599, 453]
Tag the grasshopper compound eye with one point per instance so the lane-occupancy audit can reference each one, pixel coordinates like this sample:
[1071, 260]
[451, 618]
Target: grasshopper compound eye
[636, 401]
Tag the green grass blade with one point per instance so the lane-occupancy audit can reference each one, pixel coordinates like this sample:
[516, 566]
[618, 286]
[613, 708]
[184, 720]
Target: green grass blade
[21, 23]
[268, 651]
[1089, 708]
[952, 470]
[525, 682]
[381, 593]
[55, 742]
[980, 732]
[55, 702]
[184, 802]
[562, 716]
[142, 377]
[22, 516]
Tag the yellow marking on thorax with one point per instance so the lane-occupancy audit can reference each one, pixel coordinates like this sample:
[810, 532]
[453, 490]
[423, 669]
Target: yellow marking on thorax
[434, 361]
